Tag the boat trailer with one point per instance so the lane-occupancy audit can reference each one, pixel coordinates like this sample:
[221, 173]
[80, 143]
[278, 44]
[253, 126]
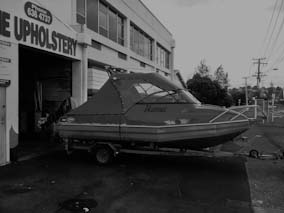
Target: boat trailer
[105, 152]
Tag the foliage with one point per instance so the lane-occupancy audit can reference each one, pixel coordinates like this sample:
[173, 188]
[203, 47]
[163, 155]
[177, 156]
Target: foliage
[238, 95]
[208, 90]
[263, 93]
[221, 77]
[202, 69]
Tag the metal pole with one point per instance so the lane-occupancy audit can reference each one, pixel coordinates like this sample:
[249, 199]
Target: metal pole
[272, 110]
[246, 96]
[255, 108]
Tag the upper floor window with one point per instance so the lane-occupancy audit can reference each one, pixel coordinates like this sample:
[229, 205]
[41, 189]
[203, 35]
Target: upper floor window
[103, 23]
[162, 56]
[120, 30]
[141, 43]
[112, 18]
[81, 11]
[92, 14]
[101, 18]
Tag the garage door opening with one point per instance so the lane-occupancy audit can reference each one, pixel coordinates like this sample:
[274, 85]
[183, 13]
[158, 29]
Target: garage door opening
[45, 83]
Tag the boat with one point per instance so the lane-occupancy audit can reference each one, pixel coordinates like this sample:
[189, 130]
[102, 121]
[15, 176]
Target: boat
[143, 108]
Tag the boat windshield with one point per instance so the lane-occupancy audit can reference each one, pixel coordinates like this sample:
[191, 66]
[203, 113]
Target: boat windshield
[132, 92]
[152, 94]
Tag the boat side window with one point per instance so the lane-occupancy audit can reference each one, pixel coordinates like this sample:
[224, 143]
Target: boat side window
[146, 89]
[152, 94]
[172, 96]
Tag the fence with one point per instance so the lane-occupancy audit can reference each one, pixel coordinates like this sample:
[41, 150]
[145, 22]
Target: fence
[269, 110]
[250, 111]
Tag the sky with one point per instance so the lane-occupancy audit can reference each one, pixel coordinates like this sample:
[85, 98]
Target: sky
[227, 32]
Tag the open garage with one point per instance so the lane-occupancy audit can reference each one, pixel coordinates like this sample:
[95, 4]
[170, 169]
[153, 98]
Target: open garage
[45, 82]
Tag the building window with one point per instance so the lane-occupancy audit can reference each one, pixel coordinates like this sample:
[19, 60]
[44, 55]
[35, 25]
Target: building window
[103, 11]
[121, 56]
[140, 42]
[81, 11]
[92, 14]
[112, 24]
[96, 45]
[167, 60]
[162, 56]
[99, 17]
[131, 38]
[120, 30]
[142, 64]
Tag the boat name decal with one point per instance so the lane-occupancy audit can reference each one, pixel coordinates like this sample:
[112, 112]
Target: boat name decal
[150, 108]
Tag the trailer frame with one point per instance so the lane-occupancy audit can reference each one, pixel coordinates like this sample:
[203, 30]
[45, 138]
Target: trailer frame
[115, 149]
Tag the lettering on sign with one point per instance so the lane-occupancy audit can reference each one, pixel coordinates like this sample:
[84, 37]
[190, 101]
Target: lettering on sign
[6, 60]
[38, 13]
[4, 24]
[39, 35]
[4, 82]
[5, 43]
[26, 31]
[6, 56]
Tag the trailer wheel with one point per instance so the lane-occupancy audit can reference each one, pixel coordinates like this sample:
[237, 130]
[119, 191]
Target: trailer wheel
[104, 155]
[254, 153]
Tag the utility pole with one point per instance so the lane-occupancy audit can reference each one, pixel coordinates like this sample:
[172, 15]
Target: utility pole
[246, 89]
[259, 74]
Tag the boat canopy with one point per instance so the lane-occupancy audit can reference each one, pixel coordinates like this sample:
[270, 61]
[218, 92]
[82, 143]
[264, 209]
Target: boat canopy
[122, 91]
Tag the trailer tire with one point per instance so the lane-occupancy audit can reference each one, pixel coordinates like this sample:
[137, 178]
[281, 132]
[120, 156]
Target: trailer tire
[254, 153]
[103, 154]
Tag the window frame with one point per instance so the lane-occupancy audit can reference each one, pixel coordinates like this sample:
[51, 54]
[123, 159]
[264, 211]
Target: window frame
[83, 16]
[138, 42]
[120, 27]
[106, 21]
[114, 13]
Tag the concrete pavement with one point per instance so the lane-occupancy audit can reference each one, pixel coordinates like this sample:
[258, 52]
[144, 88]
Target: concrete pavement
[147, 183]
[130, 184]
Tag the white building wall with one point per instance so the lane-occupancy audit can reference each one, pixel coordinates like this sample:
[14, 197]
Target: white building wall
[138, 13]
[134, 11]
[61, 12]
[64, 22]
[61, 9]
[96, 78]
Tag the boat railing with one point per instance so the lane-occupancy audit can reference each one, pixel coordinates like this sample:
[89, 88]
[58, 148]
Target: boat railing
[218, 116]
[249, 111]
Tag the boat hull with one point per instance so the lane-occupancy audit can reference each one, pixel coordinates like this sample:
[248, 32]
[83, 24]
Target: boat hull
[195, 136]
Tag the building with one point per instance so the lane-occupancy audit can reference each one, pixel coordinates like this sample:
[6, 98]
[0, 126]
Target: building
[52, 50]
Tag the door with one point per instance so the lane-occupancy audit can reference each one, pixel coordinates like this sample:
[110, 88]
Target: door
[3, 150]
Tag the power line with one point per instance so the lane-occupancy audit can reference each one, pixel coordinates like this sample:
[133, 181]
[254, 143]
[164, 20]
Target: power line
[269, 26]
[277, 61]
[273, 29]
[278, 33]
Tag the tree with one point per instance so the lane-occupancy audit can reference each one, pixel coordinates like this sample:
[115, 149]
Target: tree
[208, 91]
[202, 69]
[238, 96]
[221, 77]
[207, 88]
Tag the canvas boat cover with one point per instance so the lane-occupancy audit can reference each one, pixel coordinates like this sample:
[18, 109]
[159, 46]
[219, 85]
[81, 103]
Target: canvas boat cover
[122, 91]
